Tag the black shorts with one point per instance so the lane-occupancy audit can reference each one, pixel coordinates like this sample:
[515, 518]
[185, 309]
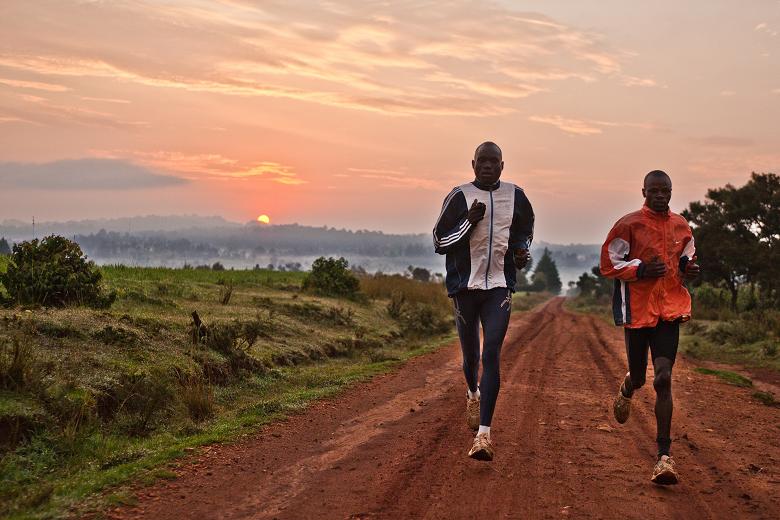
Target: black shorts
[662, 340]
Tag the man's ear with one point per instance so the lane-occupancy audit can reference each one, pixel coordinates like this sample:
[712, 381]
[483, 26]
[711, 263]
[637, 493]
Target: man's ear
[644, 194]
[472, 164]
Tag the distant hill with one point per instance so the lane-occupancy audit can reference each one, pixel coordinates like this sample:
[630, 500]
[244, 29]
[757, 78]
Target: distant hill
[176, 240]
[18, 230]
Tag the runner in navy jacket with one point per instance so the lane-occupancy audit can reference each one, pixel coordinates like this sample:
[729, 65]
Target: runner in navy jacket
[485, 241]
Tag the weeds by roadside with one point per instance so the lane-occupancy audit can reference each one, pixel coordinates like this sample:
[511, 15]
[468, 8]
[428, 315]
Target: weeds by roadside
[89, 397]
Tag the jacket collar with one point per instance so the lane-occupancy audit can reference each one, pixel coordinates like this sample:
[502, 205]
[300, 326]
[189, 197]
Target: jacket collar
[486, 187]
[654, 214]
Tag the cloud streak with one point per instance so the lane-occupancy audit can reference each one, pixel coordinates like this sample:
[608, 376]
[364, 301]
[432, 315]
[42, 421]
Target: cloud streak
[584, 127]
[83, 174]
[370, 56]
[209, 166]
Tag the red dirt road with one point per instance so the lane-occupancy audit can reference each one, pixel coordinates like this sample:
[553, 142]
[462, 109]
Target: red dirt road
[396, 447]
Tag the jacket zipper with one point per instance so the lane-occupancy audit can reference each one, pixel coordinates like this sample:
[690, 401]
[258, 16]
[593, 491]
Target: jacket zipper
[660, 288]
[490, 242]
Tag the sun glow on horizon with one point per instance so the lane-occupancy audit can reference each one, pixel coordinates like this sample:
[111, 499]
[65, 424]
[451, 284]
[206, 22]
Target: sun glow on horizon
[264, 219]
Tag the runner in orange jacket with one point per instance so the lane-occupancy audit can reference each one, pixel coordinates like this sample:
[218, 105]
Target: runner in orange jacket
[649, 253]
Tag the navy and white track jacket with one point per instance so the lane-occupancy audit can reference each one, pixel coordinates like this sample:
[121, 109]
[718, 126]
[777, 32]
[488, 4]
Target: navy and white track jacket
[481, 256]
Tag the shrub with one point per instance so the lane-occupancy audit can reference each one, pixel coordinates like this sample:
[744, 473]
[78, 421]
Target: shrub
[331, 277]
[711, 303]
[73, 407]
[233, 340]
[197, 396]
[737, 332]
[396, 304]
[225, 293]
[20, 369]
[135, 400]
[54, 272]
[421, 319]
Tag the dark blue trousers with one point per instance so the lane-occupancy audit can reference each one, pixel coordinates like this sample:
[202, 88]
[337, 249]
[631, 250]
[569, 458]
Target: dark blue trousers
[491, 308]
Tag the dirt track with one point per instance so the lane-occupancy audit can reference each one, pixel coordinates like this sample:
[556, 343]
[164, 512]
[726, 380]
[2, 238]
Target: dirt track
[396, 447]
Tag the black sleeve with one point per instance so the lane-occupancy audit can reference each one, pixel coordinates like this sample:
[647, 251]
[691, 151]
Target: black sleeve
[452, 227]
[521, 233]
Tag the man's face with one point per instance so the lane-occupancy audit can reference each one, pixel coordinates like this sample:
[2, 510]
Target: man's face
[658, 193]
[488, 164]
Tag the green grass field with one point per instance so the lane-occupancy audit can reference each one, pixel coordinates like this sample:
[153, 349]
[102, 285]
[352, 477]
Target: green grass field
[747, 342]
[93, 399]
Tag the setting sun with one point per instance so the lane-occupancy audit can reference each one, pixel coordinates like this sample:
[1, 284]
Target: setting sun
[264, 219]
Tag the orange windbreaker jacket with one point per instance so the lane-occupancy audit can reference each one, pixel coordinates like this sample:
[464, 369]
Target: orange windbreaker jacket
[634, 240]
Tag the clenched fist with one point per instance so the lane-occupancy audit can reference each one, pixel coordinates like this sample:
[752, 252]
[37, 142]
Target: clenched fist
[522, 257]
[476, 212]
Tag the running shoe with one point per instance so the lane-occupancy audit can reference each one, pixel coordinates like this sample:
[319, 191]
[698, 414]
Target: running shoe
[664, 473]
[482, 449]
[472, 413]
[621, 407]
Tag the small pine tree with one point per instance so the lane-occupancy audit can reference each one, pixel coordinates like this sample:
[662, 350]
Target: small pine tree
[547, 273]
[5, 249]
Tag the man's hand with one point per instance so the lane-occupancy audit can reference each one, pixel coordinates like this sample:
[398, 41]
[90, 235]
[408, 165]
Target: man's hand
[522, 256]
[654, 269]
[692, 269]
[476, 212]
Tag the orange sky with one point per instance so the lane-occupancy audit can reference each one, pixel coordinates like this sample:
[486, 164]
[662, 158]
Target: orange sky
[364, 114]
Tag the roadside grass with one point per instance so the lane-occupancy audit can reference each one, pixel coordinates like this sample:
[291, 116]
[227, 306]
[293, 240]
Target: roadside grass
[525, 301]
[767, 398]
[729, 377]
[104, 461]
[390, 286]
[737, 342]
[243, 277]
[92, 401]
[588, 305]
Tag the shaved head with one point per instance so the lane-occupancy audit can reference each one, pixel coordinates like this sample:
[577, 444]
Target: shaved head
[487, 144]
[656, 174]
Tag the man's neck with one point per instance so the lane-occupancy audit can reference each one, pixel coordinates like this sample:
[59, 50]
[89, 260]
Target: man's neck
[486, 187]
[664, 213]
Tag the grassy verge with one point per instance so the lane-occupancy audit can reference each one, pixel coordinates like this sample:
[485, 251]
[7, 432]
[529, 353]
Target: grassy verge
[729, 377]
[586, 305]
[738, 342]
[97, 462]
[525, 301]
[92, 399]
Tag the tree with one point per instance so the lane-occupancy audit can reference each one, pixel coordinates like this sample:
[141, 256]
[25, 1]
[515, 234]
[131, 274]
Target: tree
[331, 277]
[5, 249]
[54, 272]
[593, 285]
[546, 275]
[420, 274]
[737, 236]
